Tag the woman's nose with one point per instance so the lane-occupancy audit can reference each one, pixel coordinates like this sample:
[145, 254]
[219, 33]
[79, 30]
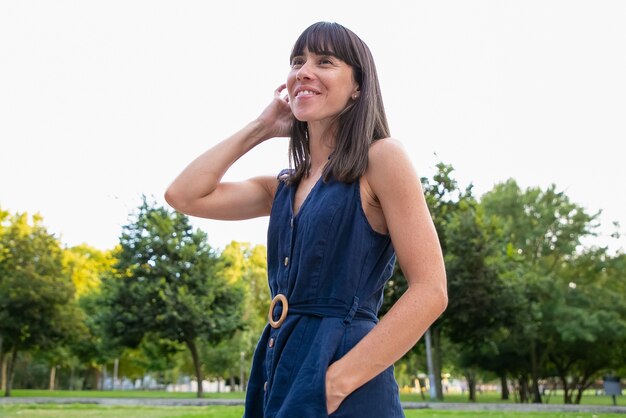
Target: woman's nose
[304, 72]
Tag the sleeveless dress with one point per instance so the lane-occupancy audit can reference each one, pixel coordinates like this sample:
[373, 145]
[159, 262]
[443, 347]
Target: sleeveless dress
[331, 266]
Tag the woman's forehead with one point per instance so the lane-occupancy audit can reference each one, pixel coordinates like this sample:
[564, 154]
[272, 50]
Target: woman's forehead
[306, 51]
[315, 44]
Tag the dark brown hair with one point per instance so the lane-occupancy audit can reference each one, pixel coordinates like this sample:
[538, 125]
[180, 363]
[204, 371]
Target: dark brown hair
[362, 122]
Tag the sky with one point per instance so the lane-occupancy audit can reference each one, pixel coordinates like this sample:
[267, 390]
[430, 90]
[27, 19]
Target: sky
[103, 101]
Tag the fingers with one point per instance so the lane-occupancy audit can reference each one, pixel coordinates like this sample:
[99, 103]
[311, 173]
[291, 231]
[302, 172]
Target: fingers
[279, 90]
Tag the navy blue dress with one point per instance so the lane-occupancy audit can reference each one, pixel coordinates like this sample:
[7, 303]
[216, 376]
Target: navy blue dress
[331, 266]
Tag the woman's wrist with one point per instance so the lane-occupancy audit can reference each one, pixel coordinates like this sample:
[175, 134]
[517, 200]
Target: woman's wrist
[252, 135]
[342, 380]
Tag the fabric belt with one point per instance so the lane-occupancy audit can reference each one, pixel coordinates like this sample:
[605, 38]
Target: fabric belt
[321, 310]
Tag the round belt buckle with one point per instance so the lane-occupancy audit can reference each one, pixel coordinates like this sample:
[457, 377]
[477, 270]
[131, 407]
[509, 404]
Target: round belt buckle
[282, 298]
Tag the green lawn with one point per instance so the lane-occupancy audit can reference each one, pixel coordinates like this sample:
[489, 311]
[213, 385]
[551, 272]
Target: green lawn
[492, 397]
[93, 411]
[489, 397]
[120, 394]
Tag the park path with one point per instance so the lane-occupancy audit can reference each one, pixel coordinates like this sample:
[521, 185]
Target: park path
[406, 405]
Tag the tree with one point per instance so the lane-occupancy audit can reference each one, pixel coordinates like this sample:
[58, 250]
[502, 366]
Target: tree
[544, 229]
[167, 285]
[482, 303]
[586, 321]
[246, 266]
[36, 296]
[86, 265]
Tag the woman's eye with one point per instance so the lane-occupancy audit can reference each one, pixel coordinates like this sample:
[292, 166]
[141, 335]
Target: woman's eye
[296, 62]
[326, 61]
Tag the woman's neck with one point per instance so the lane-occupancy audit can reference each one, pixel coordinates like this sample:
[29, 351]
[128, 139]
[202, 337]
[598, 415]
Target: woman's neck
[321, 144]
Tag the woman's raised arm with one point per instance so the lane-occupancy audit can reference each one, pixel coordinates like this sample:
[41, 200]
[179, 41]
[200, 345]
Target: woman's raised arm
[198, 189]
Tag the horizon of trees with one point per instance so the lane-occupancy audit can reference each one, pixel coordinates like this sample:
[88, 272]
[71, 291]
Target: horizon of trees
[529, 304]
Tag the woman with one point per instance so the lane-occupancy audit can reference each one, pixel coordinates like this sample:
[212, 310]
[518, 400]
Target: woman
[338, 220]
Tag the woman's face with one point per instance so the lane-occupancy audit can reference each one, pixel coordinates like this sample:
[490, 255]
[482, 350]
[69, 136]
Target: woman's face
[319, 86]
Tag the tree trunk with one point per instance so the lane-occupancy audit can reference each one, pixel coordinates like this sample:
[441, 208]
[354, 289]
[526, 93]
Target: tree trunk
[523, 389]
[232, 382]
[196, 362]
[436, 335]
[242, 384]
[3, 373]
[71, 384]
[10, 371]
[471, 385]
[535, 373]
[583, 384]
[103, 376]
[579, 394]
[505, 387]
[53, 373]
[567, 396]
[116, 365]
[91, 378]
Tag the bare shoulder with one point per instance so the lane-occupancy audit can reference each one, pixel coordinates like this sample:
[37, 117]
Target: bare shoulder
[386, 148]
[388, 164]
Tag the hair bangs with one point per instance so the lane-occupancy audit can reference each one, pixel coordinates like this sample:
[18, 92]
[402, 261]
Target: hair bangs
[326, 38]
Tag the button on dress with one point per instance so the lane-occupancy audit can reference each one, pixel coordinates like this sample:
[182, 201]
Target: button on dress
[332, 267]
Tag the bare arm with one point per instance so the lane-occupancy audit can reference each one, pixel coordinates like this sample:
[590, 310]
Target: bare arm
[414, 238]
[198, 189]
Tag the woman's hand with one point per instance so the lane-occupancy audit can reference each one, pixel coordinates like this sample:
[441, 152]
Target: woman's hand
[277, 118]
[335, 392]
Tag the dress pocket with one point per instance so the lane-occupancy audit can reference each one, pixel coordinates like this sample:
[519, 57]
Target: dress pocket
[306, 397]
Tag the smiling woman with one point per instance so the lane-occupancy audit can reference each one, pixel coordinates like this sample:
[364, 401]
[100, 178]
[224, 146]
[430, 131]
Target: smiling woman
[350, 204]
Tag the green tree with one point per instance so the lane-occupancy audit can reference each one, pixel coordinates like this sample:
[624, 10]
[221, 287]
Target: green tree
[167, 285]
[586, 321]
[36, 296]
[245, 266]
[86, 265]
[544, 229]
[482, 303]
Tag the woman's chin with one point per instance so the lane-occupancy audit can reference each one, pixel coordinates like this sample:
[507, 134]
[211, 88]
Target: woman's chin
[302, 117]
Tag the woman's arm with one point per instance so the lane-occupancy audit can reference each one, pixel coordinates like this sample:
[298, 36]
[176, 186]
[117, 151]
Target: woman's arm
[395, 183]
[198, 190]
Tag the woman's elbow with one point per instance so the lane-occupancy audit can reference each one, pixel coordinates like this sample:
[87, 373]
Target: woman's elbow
[174, 199]
[443, 298]
[439, 294]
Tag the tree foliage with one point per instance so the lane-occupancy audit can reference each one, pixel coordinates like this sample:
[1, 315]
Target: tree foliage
[543, 229]
[36, 296]
[167, 285]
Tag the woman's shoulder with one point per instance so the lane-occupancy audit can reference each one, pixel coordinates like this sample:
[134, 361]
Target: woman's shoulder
[388, 166]
[384, 152]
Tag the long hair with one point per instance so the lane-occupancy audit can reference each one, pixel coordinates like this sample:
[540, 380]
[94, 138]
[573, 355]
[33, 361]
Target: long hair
[362, 122]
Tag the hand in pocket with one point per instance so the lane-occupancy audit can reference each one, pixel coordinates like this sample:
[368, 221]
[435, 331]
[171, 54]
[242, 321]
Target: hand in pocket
[335, 394]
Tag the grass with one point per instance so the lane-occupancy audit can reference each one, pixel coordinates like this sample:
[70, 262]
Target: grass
[101, 411]
[492, 397]
[94, 411]
[488, 397]
[32, 393]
